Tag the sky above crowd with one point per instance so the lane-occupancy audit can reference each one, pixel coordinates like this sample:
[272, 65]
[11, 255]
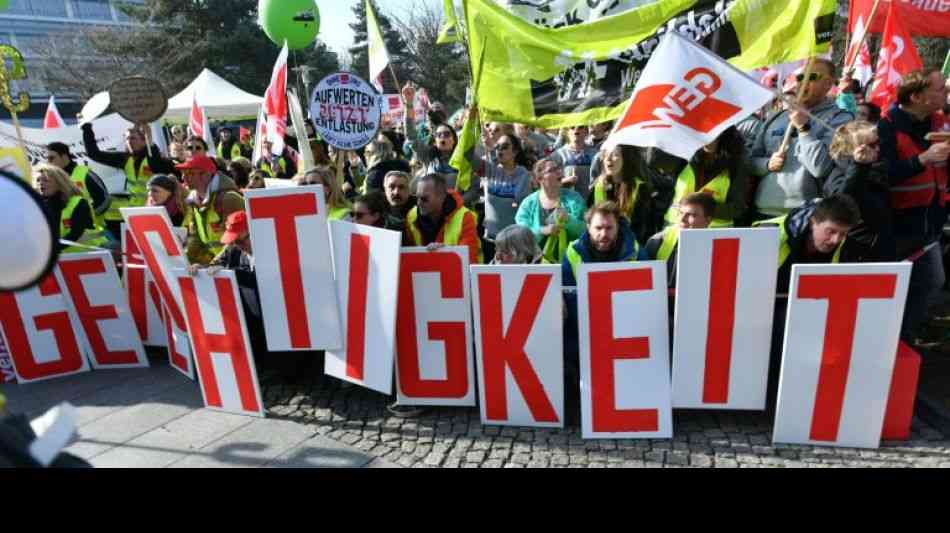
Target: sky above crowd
[337, 15]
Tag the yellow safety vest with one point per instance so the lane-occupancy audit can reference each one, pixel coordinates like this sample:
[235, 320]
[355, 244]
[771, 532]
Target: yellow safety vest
[575, 259]
[784, 250]
[208, 224]
[266, 168]
[451, 229]
[686, 184]
[235, 150]
[671, 238]
[90, 237]
[79, 178]
[600, 195]
[136, 187]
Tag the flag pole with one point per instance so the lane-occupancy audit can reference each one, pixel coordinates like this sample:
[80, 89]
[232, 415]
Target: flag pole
[849, 61]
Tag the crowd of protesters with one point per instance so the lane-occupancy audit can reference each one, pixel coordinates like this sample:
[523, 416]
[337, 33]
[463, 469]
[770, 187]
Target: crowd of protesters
[843, 181]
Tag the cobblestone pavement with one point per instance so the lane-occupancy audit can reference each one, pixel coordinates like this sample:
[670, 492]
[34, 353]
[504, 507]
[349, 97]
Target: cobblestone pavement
[455, 437]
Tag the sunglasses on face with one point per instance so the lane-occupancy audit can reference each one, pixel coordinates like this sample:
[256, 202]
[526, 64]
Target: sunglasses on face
[195, 148]
[814, 76]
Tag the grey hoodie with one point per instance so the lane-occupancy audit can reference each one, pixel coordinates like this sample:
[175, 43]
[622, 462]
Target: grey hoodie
[806, 162]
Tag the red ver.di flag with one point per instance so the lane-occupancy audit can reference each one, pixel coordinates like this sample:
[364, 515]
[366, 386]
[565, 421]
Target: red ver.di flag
[930, 18]
[898, 57]
[275, 103]
[838, 360]
[684, 99]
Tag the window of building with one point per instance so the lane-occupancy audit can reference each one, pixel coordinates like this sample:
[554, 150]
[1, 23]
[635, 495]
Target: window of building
[38, 8]
[92, 9]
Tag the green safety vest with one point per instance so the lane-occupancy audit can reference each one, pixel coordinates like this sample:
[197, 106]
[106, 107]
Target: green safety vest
[79, 178]
[136, 186]
[670, 239]
[235, 151]
[686, 184]
[784, 250]
[600, 195]
[574, 258]
[90, 237]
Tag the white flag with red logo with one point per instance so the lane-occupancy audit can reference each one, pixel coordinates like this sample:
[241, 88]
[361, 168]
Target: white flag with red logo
[275, 103]
[198, 124]
[685, 98]
[898, 57]
[52, 120]
[259, 136]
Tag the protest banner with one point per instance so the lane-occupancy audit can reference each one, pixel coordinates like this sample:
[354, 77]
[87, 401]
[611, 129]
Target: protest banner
[366, 262]
[346, 111]
[110, 135]
[96, 298]
[7, 375]
[295, 276]
[154, 236]
[838, 358]
[583, 74]
[224, 361]
[519, 344]
[722, 327]
[434, 360]
[559, 13]
[138, 99]
[623, 334]
[924, 18]
[40, 332]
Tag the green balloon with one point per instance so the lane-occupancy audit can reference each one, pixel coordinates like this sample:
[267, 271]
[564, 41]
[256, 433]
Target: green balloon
[3, 4]
[296, 21]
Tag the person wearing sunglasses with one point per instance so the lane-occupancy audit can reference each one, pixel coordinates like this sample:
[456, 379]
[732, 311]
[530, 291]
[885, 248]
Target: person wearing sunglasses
[440, 219]
[136, 162]
[371, 209]
[434, 156]
[792, 172]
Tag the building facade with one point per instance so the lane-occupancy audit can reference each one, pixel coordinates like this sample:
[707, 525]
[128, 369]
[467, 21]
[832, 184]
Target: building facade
[26, 24]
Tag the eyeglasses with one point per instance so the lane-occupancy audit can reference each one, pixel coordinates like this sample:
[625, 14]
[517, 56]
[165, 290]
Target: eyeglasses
[814, 76]
[443, 133]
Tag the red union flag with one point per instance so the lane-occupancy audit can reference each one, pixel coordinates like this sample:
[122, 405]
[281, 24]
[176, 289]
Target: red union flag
[275, 103]
[52, 120]
[684, 99]
[898, 57]
[925, 18]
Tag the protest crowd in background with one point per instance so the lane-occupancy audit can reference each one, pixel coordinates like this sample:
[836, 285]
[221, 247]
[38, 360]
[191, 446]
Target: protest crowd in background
[844, 178]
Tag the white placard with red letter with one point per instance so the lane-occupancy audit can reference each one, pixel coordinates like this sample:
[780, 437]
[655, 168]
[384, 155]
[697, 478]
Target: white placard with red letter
[162, 252]
[7, 374]
[434, 360]
[519, 326]
[624, 350]
[108, 331]
[294, 268]
[142, 291]
[840, 345]
[218, 333]
[40, 331]
[366, 262]
[722, 332]
[177, 346]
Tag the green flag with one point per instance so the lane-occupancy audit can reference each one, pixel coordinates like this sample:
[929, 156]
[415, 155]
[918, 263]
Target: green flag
[946, 65]
[467, 142]
[449, 32]
[584, 73]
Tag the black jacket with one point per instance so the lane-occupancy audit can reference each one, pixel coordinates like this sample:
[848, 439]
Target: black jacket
[868, 185]
[98, 191]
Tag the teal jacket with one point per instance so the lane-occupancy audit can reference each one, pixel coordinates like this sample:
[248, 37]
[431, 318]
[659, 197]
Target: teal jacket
[572, 202]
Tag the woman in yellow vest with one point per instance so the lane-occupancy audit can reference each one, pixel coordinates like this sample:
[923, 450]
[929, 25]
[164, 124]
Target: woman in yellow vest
[66, 208]
[620, 182]
[720, 169]
[337, 206]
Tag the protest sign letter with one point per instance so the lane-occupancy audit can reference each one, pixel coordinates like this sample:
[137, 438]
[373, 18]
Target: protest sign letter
[367, 271]
[219, 340]
[518, 332]
[294, 272]
[719, 360]
[40, 332]
[623, 337]
[434, 328]
[840, 345]
[97, 299]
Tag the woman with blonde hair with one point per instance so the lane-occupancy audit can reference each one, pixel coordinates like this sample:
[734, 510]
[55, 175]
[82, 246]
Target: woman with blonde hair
[66, 208]
[337, 205]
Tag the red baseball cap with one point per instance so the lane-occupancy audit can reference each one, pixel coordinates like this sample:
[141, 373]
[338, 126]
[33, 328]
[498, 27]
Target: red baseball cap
[199, 162]
[234, 227]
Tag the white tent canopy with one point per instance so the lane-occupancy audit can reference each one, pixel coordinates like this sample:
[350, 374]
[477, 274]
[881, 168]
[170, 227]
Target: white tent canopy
[221, 99]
